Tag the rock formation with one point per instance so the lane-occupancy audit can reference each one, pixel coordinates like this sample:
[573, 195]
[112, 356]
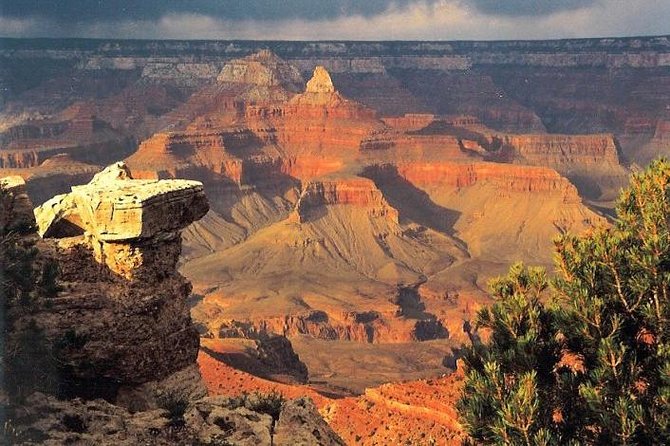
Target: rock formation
[320, 82]
[116, 323]
[344, 191]
[591, 161]
[173, 154]
[133, 226]
[507, 178]
[16, 205]
[46, 420]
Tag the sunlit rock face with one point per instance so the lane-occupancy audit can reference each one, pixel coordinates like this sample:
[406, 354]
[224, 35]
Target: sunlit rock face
[320, 82]
[133, 226]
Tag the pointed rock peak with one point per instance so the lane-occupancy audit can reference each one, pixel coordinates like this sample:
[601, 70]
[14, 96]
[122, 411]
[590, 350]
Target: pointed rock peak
[320, 82]
[114, 172]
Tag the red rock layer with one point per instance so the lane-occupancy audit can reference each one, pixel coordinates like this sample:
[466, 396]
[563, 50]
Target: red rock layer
[355, 191]
[172, 151]
[322, 122]
[19, 159]
[371, 326]
[581, 151]
[511, 178]
[416, 412]
[222, 379]
[306, 167]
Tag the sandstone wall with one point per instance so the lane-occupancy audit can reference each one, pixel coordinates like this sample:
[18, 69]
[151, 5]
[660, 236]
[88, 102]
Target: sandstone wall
[360, 192]
[510, 178]
[580, 151]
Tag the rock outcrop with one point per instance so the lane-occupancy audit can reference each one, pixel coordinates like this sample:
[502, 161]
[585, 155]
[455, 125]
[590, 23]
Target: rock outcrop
[115, 314]
[45, 420]
[414, 412]
[507, 178]
[269, 356]
[320, 82]
[321, 119]
[369, 326]
[558, 150]
[590, 161]
[16, 207]
[132, 225]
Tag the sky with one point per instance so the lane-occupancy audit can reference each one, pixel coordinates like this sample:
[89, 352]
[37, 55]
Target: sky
[334, 19]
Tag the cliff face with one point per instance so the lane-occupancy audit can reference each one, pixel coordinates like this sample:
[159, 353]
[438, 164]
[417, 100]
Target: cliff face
[590, 161]
[322, 120]
[359, 192]
[568, 86]
[115, 320]
[523, 179]
[175, 153]
[262, 69]
[581, 151]
[116, 242]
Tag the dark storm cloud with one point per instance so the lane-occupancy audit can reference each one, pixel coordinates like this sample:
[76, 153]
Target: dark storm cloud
[528, 7]
[333, 19]
[112, 10]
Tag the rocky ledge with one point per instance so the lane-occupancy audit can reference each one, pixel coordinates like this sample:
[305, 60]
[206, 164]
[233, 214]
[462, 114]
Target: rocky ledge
[133, 226]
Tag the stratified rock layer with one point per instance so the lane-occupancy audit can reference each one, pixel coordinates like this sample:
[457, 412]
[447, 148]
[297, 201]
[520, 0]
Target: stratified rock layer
[261, 69]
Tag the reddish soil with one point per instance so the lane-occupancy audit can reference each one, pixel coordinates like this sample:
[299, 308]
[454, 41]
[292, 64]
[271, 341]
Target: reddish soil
[415, 412]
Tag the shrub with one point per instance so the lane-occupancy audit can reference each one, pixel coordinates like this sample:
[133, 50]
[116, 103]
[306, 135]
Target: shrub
[592, 366]
[268, 403]
[176, 406]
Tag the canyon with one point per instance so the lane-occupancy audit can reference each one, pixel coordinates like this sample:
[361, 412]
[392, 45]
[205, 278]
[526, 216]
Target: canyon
[327, 214]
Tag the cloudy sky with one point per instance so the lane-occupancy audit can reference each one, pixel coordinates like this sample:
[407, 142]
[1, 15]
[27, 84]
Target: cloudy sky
[334, 19]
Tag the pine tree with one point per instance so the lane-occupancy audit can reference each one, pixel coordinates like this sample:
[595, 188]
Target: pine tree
[593, 365]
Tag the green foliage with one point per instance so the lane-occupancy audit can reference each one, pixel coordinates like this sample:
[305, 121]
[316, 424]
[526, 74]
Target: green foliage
[176, 405]
[593, 365]
[31, 365]
[26, 278]
[505, 401]
[47, 282]
[17, 274]
[268, 403]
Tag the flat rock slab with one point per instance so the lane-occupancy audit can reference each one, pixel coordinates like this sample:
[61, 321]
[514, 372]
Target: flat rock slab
[115, 208]
[139, 209]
